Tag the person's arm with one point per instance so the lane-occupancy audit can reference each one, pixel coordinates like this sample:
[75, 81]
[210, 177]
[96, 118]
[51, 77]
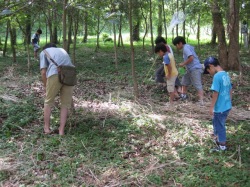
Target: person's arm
[189, 60]
[43, 74]
[169, 71]
[214, 99]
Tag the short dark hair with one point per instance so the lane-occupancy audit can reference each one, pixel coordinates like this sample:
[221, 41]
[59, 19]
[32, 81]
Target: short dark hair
[160, 39]
[48, 45]
[179, 39]
[210, 61]
[160, 47]
[39, 31]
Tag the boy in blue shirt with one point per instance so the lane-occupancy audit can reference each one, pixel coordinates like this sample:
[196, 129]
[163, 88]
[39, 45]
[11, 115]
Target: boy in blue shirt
[221, 100]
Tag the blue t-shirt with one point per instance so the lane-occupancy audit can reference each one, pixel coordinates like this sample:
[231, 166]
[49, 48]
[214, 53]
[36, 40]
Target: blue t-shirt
[222, 85]
[188, 50]
[59, 55]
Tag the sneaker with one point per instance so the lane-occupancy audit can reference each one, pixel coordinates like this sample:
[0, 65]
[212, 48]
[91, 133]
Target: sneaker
[219, 148]
[183, 97]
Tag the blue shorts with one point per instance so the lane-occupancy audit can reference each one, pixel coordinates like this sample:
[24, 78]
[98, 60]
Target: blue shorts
[219, 125]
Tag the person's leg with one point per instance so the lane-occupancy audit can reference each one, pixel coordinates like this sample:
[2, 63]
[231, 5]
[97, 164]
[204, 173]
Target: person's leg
[197, 83]
[63, 119]
[47, 113]
[221, 127]
[185, 81]
[52, 88]
[160, 74]
[66, 93]
[171, 89]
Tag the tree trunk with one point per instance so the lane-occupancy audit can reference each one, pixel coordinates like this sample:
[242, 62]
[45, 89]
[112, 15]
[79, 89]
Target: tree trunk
[13, 41]
[55, 36]
[85, 35]
[98, 33]
[220, 31]
[136, 92]
[151, 25]
[233, 48]
[120, 40]
[6, 38]
[115, 47]
[64, 21]
[76, 25]
[164, 18]
[70, 21]
[184, 23]
[136, 31]
[198, 30]
[177, 27]
[28, 30]
[159, 27]
[214, 36]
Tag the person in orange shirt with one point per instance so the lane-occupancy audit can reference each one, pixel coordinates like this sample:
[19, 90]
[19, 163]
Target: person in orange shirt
[170, 69]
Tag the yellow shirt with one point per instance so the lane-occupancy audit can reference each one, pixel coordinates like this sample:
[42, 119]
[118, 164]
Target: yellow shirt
[172, 63]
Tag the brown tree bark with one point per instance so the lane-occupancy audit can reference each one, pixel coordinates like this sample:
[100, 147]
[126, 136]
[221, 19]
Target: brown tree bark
[159, 27]
[233, 31]
[64, 21]
[136, 92]
[220, 30]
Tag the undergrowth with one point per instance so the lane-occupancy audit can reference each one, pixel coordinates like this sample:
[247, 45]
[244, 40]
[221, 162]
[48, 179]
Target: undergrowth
[111, 140]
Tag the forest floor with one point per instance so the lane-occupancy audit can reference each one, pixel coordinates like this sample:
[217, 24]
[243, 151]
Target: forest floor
[113, 140]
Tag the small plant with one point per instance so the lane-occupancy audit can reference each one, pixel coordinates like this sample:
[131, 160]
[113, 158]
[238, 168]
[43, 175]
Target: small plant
[106, 38]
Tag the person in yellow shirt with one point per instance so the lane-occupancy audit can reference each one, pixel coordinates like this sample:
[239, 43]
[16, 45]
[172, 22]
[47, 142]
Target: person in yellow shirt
[170, 69]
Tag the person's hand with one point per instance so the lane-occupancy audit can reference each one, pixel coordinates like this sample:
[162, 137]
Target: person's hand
[168, 77]
[211, 111]
[182, 64]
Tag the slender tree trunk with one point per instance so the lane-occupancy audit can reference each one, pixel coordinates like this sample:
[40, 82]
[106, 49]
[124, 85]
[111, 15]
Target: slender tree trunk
[115, 47]
[28, 30]
[13, 41]
[55, 36]
[85, 35]
[159, 27]
[145, 17]
[214, 36]
[198, 30]
[220, 31]
[151, 25]
[136, 92]
[120, 40]
[136, 31]
[177, 26]
[233, 28]
[98, 33]
[6, 38]
[64, 21]
[184, 23]
[70, 21]
[164, 18]
[76, 25]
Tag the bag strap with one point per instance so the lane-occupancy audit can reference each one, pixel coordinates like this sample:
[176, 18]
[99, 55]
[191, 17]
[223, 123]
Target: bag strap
[48, 56]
